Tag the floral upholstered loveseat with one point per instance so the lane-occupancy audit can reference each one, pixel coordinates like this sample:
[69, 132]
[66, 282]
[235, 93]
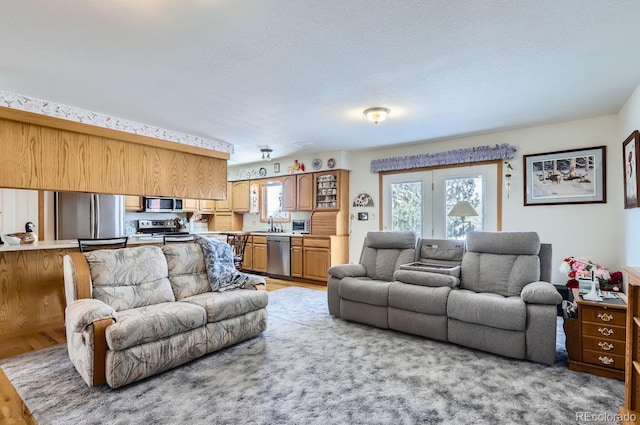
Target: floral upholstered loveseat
[135, 312]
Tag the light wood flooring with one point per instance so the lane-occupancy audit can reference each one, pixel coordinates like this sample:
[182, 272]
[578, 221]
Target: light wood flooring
[13, 410]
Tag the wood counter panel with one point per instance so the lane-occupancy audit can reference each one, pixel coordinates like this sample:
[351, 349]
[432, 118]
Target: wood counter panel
[38, 157]
[31, 291]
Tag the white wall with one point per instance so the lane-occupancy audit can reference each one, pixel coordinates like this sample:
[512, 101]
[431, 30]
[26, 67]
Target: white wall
[17, 207]
[590, 230]
[629, 121]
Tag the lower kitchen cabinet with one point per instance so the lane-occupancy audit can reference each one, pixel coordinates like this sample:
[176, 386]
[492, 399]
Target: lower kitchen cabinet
[321, 252]
[259, 254]
[247, 258]
[296, 257]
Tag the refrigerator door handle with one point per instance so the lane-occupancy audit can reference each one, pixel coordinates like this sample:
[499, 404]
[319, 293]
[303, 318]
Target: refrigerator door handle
[97, 215]
[92, 222]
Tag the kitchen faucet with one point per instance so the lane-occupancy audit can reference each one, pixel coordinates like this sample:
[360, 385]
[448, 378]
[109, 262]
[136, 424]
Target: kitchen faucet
[270, 223]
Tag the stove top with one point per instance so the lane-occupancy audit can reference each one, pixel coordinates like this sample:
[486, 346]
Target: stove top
[159, 227]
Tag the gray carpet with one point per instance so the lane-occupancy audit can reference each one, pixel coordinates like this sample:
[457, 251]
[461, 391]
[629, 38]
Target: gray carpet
[310, 368]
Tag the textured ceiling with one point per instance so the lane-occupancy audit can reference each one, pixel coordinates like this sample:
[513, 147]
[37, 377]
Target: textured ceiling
[273, 73]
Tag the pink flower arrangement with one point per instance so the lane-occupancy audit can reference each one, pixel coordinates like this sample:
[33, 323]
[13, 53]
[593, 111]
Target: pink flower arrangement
[582, 268]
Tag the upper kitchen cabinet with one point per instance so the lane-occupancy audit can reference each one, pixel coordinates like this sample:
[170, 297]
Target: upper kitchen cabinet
[241, 200]
[305, 192]
[206, 206]
[225, 205]
[289, 193]
[254, 197]
[133, 203]
[331, 190]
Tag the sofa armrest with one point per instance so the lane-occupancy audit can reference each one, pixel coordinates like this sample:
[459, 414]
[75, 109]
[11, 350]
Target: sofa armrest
[424, 278]
[540, 293]
[84, 312]
[347, 270]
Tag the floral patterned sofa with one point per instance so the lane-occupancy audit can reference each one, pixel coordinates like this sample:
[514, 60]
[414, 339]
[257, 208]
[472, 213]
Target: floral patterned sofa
[135, 312]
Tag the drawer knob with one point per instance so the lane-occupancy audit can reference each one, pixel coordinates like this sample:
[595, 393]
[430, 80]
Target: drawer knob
[605, 331]
[605, 345]
[606, 360]
[605, 317]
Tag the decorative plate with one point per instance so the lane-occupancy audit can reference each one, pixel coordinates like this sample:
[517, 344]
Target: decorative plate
[262, 172]
[316, 164]
[331, 163]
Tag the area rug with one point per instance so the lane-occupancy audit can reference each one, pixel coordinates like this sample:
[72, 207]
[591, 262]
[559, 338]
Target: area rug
[311, 368]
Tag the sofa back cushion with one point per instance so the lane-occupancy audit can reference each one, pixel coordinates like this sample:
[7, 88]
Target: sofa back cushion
[384, 252]
[129, 277]
[187, 270]
[500, 262]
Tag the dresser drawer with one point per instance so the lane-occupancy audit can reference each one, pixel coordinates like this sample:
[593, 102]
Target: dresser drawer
[604, 315]
[603, 345]
[603, 330]
[609, 360]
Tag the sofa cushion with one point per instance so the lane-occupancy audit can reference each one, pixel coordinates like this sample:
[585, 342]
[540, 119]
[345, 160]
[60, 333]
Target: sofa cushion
[129, 277]
[501, 274]
[384, 252]
[488, 309]
[426, 278]
[419, 299]
[227, 304]
[140, 325]
[187, 270]
[373, 292]
[512, 243]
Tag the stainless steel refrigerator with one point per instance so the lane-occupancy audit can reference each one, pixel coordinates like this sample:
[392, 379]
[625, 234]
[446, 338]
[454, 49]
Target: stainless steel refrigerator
[88, 215]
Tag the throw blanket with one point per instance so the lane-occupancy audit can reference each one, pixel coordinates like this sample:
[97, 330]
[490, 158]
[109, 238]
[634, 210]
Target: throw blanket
[218, 259]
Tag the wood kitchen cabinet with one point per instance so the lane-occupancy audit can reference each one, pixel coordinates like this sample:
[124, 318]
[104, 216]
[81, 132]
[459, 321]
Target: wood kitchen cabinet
[330, 190]
[259, 254]
[296, 257]
[247, 258]
[240, 202]
[289, 193]
[632, 353]
[305, 192]
[206, 206]
[321, 252]
[223, 221]
[190, 205]
[133, 203]
[225, 205]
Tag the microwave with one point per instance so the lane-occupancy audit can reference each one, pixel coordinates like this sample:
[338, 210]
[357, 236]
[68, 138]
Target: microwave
[300, 225]
[162, 205]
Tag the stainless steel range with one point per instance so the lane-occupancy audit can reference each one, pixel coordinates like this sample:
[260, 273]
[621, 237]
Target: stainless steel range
[160, 227]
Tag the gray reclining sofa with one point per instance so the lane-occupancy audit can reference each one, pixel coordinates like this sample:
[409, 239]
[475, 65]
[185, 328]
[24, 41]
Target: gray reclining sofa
[494, 296]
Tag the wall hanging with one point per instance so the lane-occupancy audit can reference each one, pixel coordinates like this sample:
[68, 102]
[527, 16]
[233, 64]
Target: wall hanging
[363, 200]
[575, 176]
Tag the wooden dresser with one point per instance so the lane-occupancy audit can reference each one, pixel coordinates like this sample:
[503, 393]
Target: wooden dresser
[631, 408]
[602, 337]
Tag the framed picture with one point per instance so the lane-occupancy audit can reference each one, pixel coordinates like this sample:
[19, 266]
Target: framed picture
[575, 176]
[630, 152]
[276, 168]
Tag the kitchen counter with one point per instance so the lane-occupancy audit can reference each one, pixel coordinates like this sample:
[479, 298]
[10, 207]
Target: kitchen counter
[66, 244]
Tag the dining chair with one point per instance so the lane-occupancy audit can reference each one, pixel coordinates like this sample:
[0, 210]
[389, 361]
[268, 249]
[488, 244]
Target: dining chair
[238, 242]
[87, 245]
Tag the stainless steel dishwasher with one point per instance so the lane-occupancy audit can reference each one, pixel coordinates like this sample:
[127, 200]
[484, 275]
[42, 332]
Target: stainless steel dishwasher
[279, 255]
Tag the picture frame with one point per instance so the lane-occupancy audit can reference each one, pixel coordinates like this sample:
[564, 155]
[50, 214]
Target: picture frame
[276, 167]
[630, 161]
[576, 176]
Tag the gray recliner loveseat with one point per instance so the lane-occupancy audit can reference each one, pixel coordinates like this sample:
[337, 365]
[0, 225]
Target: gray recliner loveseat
[498, 302]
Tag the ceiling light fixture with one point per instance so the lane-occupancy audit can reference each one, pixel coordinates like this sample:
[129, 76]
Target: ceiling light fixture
[376, 114]
[266, 153]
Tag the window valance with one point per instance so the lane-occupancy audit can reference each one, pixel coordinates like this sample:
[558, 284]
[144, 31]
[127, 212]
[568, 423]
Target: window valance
[456, 156]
